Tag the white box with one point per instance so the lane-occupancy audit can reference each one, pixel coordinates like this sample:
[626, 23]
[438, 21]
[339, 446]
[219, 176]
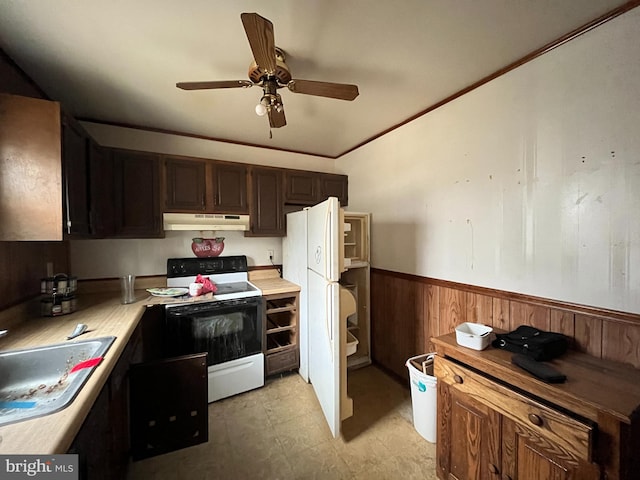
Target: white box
[474, 335]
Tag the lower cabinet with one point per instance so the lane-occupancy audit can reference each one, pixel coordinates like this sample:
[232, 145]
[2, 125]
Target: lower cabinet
[149, 405]
[495, 422]
[168, 405]
[282, 351]
[102, 443]
[490, 431]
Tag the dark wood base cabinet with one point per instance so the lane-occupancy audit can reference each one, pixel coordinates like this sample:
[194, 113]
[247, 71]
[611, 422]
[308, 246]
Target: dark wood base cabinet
[102, 444]
[149, 405]
[496, 421]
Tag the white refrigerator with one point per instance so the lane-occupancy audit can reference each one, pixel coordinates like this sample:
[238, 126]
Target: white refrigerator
[313, 257]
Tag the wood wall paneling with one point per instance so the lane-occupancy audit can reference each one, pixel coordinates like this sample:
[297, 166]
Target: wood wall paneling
[23, 264]
[621, 342]
[453, 310]
[562, 321]
[14, 81]
[588, 335]
[407, 310]
[379, 323]
[398, 325]
[431, 320]
[479, 308]
[501, 311]
[526, 314]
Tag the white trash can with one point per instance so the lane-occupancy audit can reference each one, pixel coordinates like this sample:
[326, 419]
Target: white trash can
[423, 395]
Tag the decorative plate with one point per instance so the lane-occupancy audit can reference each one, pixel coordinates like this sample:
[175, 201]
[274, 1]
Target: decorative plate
[167, 292]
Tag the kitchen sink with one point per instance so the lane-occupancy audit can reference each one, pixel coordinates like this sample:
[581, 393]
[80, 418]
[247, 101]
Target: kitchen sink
[40, 381]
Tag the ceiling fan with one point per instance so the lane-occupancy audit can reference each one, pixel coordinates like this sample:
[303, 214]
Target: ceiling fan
[270, 72]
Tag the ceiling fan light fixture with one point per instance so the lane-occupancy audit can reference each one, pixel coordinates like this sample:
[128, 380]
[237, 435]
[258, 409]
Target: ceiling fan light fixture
[261, 110]
[269, 102]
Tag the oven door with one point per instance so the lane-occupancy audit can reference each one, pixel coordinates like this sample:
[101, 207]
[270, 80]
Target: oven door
[226, 330]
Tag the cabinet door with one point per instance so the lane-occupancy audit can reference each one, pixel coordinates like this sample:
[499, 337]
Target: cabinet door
[468, 437]
[301, 188]
[137, 194]
[528, 457]
[93, 443]
[30, 205]
[185, 185]
[334, 186]
[75, 152]
[267, 206]
[230, 188]
[168, 405]
[101, 187]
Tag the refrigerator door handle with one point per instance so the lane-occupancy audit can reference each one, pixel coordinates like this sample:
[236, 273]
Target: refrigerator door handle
[327, 318]
[328, 254]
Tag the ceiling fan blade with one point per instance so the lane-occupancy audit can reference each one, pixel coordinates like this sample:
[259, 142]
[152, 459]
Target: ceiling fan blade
[259, 32]
[220, 84]
[277, 119]
[341, 91]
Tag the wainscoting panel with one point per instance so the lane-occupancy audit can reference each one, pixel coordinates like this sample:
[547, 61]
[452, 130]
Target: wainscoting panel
[407, 310]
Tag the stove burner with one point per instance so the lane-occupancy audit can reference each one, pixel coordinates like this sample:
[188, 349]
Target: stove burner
[234, 287]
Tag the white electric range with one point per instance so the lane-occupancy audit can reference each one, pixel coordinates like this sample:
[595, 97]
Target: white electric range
[228, 326]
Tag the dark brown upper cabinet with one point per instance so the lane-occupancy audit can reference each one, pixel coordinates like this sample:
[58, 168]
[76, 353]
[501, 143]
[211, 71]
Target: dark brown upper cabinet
[230, 188]
[75, 173]
[301, 188]
[101, 189]
[137, 194]
[332, 185]
[267, 203]
[185, 181]
[30, 169]
[309, 188]
[200, 185]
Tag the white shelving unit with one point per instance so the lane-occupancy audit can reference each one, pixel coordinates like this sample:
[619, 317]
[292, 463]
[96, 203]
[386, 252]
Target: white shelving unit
[356, 280]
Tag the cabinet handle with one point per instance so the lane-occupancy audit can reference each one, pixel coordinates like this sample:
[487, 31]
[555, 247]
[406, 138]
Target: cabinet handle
[535, 419]
[458, 379]
[493, 469]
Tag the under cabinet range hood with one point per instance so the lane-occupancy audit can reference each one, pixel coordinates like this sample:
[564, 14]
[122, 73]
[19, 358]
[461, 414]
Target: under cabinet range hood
[205, 221]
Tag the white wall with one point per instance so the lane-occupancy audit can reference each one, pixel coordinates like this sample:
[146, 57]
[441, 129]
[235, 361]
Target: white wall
[112, 258]
[108, 258]
[530, 183]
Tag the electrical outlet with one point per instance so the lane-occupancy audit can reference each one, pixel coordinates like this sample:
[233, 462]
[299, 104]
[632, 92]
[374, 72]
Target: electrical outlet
[270, 253]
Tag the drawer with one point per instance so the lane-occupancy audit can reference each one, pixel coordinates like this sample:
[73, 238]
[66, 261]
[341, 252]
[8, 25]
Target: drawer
[574, 437]
[282, 361]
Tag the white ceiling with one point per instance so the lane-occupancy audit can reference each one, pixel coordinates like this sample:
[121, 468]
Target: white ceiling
[118, 61]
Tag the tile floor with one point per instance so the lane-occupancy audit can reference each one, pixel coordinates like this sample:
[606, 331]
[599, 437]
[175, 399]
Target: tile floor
[279, 432]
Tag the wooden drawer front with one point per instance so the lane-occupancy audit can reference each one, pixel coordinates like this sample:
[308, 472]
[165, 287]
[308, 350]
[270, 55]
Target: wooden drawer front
[282, 361]
[574, 438]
